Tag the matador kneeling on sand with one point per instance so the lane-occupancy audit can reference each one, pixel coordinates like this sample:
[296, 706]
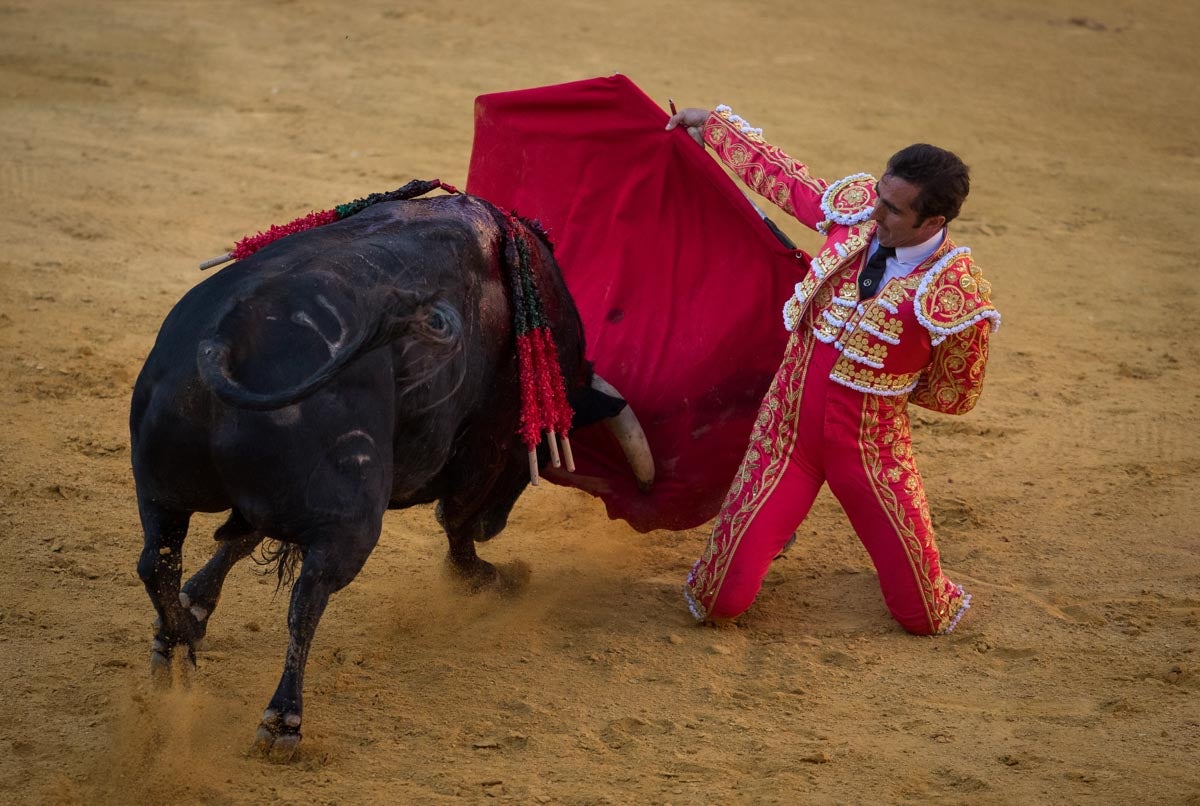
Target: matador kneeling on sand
[890, 312]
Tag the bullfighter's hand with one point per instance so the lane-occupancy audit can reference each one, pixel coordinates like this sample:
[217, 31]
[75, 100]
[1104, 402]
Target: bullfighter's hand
[691, 118]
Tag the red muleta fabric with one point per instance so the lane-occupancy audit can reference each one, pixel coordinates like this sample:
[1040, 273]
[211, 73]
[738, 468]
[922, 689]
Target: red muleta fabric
[679, 282]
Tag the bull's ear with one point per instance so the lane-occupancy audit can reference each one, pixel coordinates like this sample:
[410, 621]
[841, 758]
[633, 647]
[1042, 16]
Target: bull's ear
[592, 406]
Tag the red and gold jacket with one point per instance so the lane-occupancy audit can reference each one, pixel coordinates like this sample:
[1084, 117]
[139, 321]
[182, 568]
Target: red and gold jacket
[924, 335]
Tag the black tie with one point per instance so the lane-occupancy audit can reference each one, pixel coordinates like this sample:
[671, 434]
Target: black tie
[872, 273]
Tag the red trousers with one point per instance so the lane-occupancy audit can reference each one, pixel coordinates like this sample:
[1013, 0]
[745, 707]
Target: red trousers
[811, 430]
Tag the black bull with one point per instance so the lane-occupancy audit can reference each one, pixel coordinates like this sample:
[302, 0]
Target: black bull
[358, 367]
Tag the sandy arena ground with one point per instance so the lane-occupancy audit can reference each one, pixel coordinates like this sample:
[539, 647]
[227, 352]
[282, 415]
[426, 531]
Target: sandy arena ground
[138, 138]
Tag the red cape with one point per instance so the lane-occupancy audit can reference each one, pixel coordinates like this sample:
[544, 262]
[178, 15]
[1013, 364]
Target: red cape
[679, 282]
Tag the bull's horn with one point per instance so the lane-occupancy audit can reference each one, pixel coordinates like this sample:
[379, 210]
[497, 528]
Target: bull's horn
[628, 431]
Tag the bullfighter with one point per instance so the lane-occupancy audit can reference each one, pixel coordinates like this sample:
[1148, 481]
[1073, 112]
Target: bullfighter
[890, 312]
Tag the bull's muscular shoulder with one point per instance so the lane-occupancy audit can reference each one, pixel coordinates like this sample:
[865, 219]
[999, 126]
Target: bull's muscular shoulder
[954, 295]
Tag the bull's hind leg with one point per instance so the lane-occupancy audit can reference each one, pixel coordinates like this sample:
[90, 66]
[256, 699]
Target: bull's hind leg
[328, 567]
[160, 568]
[200, 594]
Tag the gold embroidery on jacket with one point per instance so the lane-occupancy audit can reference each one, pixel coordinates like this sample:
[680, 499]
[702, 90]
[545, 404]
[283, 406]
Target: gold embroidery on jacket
[748, 163]
[855, 240]
[849, 197]
[877, 320]
[866, 379]
[954, 379]
[955, 295]
[863, 346]
[823, 298]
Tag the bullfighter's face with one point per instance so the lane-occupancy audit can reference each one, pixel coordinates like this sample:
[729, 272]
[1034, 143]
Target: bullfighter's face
[898, 222]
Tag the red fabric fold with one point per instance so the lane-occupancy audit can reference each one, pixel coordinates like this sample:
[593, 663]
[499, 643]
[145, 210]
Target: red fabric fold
[679, 282]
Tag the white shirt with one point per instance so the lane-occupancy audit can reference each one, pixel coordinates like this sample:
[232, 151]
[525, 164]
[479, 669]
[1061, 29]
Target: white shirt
[907, 258]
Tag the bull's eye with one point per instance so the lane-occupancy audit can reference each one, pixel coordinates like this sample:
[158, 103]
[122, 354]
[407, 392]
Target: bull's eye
[440, 322]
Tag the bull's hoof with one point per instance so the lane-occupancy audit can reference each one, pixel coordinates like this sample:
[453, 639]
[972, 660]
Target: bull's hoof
[474, 576]
[277, 737]
[160, 665]
[187, 669]
[163, 660]
[276, 749]
[480, 576]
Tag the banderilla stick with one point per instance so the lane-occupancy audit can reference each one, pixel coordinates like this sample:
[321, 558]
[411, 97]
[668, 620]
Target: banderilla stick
[568, 458]
[533, 471]
[216, 261]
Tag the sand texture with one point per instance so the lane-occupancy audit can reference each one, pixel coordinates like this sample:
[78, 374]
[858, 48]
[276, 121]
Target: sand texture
[139, 138]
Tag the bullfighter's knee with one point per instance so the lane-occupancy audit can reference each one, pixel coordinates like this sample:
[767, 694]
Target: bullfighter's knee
[729, 603]
[921, 615]
[728, 606]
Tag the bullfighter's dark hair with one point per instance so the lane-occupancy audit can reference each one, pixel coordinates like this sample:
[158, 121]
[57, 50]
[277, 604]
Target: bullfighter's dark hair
[943, 178]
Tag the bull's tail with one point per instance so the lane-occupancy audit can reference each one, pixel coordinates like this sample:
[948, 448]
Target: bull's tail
[281, 559]
[399, 315]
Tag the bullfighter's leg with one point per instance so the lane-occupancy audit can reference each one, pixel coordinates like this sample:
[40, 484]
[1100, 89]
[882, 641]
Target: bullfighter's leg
[328, 566]
[200, 594]
[160, 568]
[878, 485]
[749, 534]
[770, 495]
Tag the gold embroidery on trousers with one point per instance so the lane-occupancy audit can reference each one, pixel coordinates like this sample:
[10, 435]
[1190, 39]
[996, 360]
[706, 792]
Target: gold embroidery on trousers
[884, 431]
[772, 441]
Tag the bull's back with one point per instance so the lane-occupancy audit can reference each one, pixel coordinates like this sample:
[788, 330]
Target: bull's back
[282, 310]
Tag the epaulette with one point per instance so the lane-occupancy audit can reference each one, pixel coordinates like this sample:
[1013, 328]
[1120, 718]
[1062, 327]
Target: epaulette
[953, 295]
[848, 201]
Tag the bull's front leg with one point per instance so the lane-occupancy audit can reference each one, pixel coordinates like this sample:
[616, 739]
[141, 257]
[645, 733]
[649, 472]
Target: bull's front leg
[475, 573]
[470, 516]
